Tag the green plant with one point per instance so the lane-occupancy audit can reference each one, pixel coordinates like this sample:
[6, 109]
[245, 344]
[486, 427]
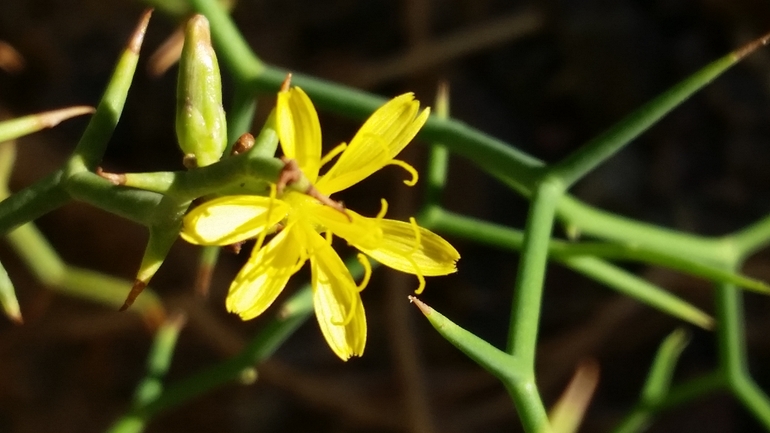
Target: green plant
[158, 203]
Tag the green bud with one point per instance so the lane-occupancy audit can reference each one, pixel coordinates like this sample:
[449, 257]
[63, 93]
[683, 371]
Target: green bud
[201, 128]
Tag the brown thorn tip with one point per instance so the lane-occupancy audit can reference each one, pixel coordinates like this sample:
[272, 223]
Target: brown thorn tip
[286, 83]
[751, 46]
[426, 310]
[136, 289]
[50, 119]
[135, 43]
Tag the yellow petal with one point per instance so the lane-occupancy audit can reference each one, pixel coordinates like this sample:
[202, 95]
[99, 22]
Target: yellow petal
[264, 276]
[231, 219]
[337, 302]
[399, 249]
[299, 130]
[378, 141]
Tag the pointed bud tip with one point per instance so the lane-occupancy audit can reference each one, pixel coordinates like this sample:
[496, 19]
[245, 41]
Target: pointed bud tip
[198, 28]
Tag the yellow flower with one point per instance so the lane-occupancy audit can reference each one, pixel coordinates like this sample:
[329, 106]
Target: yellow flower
[303, 222]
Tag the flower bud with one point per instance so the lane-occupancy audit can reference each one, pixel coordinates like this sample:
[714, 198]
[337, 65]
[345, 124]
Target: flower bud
[201, 128]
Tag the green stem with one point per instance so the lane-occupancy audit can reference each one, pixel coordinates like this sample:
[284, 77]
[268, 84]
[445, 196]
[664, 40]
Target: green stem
[642, 415]
[240, 116]
[598, 150]
[32, 202]
[593, 221]
[752, 238]
[438, 157]
[730, 332]
[93, 142]
[525, 313]
[589, 265]
[529, 405]
[754, 399]
[260, 348]
[43, 261]
[158, 362]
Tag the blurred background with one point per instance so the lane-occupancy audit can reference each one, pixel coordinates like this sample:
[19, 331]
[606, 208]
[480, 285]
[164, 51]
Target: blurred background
[545, 76]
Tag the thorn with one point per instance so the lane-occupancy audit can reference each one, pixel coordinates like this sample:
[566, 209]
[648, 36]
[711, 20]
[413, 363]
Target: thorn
[136, 289]
[244, 143]
[751, 46]
[286, 83]
[135, 42]
[426, 310]
[16, 319]
[235, 248]
[114, 178]
[49, 119]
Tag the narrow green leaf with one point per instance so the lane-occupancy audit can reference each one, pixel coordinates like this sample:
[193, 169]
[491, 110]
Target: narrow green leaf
[163, 234]
[266, 143]
[658, 382]
[158, 362]
[598, 150]
[21, 126]
[93, 142]
[500, 364]
[593, 267]
[639, 289]
[642, 254]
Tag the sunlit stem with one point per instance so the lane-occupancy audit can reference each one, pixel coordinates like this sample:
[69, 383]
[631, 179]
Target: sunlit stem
[525, 314]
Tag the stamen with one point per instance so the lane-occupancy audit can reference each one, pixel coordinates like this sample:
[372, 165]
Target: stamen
[383, 209]
[417, 235]
[350, 314]
[419, 275]
[367, 271]
[263, 233]
[408, 168]
[408, 256]
[333, 153]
